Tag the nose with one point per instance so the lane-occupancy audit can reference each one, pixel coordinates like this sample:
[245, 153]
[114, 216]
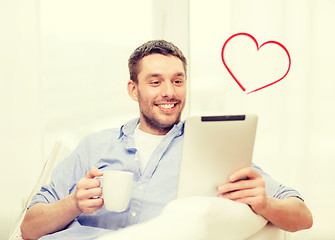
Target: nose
[169, 90]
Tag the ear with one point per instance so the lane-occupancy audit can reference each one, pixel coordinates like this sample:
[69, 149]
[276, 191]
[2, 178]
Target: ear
[132, 90]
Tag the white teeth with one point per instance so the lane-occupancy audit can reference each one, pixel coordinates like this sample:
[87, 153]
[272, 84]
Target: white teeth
[166, 106]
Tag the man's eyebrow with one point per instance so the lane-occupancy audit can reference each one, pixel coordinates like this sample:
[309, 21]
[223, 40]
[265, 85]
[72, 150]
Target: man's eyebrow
[153, 75]
[158, 75]
[180, 74]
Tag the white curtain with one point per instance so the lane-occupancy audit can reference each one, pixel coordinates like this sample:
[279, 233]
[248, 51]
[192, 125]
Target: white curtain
[21, 122]
[296, 131]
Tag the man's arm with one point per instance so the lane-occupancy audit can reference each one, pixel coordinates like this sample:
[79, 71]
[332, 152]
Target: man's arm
[46, 218]
[290, 214]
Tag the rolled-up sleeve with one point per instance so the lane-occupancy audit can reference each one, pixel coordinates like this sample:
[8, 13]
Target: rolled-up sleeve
[64, 177]
[275, 189]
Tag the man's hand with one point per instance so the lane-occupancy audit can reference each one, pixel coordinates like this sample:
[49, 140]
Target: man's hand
[246, 186]
[45, 218]
[88, 192]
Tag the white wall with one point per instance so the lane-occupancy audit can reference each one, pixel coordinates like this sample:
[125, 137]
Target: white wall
[21, 124]
[296, 131]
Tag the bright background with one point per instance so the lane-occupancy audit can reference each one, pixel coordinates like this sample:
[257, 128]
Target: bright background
[63, 75]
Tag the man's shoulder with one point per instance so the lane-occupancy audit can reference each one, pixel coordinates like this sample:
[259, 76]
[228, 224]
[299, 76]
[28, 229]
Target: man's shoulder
[112, 134]
[103, 136]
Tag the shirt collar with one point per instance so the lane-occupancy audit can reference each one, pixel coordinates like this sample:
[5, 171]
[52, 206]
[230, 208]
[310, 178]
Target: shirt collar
[129, 128]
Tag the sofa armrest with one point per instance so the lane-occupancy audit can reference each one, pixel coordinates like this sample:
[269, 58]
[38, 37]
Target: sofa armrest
[58, 153]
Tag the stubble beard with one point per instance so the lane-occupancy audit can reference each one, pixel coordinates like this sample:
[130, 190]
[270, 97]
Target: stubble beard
[154, 123]
[152, 120]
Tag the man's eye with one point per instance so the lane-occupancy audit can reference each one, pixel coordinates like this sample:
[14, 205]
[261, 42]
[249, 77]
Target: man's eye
[178, 82]
[155, 82]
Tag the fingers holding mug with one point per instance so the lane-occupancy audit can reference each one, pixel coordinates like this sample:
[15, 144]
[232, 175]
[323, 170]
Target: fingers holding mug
[88, 191]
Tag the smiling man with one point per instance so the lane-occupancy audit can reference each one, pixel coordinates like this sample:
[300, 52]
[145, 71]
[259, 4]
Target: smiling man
[70, 207]
[160, 89]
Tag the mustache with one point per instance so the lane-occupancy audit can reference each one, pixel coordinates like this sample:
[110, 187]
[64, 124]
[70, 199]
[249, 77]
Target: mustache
[168, 100]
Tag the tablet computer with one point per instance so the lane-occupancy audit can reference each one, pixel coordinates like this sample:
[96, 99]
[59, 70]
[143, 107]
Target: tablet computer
[213, 148]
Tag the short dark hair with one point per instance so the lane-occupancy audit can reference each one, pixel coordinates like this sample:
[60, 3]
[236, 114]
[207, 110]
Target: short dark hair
[155, 46]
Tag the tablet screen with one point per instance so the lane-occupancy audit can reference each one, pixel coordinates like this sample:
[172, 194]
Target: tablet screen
[213, 148]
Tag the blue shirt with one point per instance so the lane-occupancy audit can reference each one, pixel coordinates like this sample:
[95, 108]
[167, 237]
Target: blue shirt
[114, 149]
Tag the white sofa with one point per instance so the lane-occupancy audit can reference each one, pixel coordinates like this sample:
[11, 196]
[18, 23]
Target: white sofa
[202, 218]
[196, 218]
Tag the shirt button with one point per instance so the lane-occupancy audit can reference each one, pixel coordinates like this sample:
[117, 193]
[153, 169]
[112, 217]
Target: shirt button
[140, 187]
[136, 159]
[133, 214]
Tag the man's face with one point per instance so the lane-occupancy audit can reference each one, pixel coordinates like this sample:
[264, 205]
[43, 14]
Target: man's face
[160, 92]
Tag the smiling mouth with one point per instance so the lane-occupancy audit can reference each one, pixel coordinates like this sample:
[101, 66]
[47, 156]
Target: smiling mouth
[167, 107]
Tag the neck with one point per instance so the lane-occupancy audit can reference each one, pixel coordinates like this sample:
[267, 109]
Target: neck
[154, 131]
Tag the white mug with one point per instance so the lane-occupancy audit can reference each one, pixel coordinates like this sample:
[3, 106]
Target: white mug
[116, 189]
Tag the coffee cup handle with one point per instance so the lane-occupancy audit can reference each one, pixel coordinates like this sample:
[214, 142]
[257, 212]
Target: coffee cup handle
[100, 179]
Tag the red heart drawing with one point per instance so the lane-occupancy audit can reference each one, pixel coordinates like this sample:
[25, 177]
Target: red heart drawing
[258, 47]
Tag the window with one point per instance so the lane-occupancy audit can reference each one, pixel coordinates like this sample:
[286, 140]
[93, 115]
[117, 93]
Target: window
[85, 49]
